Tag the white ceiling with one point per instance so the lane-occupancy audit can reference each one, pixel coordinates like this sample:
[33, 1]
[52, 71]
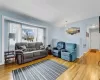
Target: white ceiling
[55, 11]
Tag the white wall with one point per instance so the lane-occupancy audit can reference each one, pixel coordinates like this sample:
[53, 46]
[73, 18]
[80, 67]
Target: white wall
[79, 38]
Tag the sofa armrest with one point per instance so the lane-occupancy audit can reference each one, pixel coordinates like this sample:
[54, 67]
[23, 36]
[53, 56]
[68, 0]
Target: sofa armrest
[19, 56]
[74, 55]
[18, 51]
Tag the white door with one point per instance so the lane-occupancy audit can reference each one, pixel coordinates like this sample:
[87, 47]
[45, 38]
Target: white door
[94, 39]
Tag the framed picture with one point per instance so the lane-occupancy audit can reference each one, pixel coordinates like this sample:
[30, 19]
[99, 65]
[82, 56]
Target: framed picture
[73, 30]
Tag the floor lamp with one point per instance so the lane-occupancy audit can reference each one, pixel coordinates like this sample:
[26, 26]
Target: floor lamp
[11, 36]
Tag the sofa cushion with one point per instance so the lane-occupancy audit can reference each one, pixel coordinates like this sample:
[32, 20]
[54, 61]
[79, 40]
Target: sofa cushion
[66, 58]
[18, 45]
[28, 55]
[31, 45]
[36, 53]
[37, 45]
[30, 49]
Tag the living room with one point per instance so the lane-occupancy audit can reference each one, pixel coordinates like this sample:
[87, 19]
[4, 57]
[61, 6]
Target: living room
[49, 40]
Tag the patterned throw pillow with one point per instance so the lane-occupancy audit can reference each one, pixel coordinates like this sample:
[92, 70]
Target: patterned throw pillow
[42, 47]
[23, 47]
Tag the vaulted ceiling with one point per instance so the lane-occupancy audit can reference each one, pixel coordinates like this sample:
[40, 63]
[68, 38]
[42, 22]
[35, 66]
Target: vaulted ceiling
[55, 11]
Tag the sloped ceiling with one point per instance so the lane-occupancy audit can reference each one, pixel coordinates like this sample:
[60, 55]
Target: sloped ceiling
[55, 12]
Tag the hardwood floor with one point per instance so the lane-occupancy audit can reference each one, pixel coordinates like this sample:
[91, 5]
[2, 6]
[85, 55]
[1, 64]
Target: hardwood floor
[6, 70]
[87, 68]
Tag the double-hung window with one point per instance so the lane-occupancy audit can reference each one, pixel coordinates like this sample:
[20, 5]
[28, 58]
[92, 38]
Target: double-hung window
[32, 34]
[25, 33]
[15, 29]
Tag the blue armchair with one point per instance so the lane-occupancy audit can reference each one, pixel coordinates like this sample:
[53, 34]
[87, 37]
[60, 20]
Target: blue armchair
[69, 53]
[57, 50]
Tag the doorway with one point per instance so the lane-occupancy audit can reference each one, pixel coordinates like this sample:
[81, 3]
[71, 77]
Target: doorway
[94, 39]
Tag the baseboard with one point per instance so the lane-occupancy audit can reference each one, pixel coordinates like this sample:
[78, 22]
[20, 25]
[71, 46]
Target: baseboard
[1, 63]
[78, 56]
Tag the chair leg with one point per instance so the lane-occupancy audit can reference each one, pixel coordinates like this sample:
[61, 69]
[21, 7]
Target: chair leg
[5, 61]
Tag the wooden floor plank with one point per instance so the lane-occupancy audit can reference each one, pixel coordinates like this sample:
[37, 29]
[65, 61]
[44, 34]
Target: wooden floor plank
[87, 68]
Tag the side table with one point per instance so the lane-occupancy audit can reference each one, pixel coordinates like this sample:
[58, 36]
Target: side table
[9, 55]
[49, 52]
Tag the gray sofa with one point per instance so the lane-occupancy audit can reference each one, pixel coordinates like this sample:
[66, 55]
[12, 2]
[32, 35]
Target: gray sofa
[26, 52]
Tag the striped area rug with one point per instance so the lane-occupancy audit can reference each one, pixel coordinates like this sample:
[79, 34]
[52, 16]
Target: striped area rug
[45, 70]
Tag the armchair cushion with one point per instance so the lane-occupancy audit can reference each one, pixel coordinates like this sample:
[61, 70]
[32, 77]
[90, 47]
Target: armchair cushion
[37, 45]
[69, 53]
[65, 53]
[68, 56]
[57, 50]
[30, 45]
[60, 45]
[70, 47]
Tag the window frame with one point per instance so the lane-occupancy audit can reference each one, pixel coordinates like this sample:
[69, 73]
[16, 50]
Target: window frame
[27, 28]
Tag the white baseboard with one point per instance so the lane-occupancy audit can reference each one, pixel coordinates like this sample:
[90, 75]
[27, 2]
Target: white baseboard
[1, 63]
[78, 56]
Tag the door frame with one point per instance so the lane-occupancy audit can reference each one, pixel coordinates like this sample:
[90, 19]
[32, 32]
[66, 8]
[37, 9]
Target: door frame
[90, 37]
[2, 48]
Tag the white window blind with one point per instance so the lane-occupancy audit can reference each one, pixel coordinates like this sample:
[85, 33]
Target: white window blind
[32, 34]
[15, 29]
[40, 36]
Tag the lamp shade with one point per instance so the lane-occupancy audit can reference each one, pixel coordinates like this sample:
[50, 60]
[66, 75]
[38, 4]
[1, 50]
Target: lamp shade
[11, 36]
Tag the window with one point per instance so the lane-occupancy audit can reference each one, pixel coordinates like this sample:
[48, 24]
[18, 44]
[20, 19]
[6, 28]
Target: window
[32, 34]
[16, 30]
[25, 33]
[40, 35]
[29, 34]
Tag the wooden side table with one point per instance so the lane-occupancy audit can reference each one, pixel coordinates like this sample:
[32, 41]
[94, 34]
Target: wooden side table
[49, 52]
[9, 55]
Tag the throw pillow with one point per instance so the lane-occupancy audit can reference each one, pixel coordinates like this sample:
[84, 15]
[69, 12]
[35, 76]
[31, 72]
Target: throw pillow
[23, 47]
[42, 47]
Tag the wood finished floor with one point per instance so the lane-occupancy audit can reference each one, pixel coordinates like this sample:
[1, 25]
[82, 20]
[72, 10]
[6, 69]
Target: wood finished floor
[6, 70]
[87, 68]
